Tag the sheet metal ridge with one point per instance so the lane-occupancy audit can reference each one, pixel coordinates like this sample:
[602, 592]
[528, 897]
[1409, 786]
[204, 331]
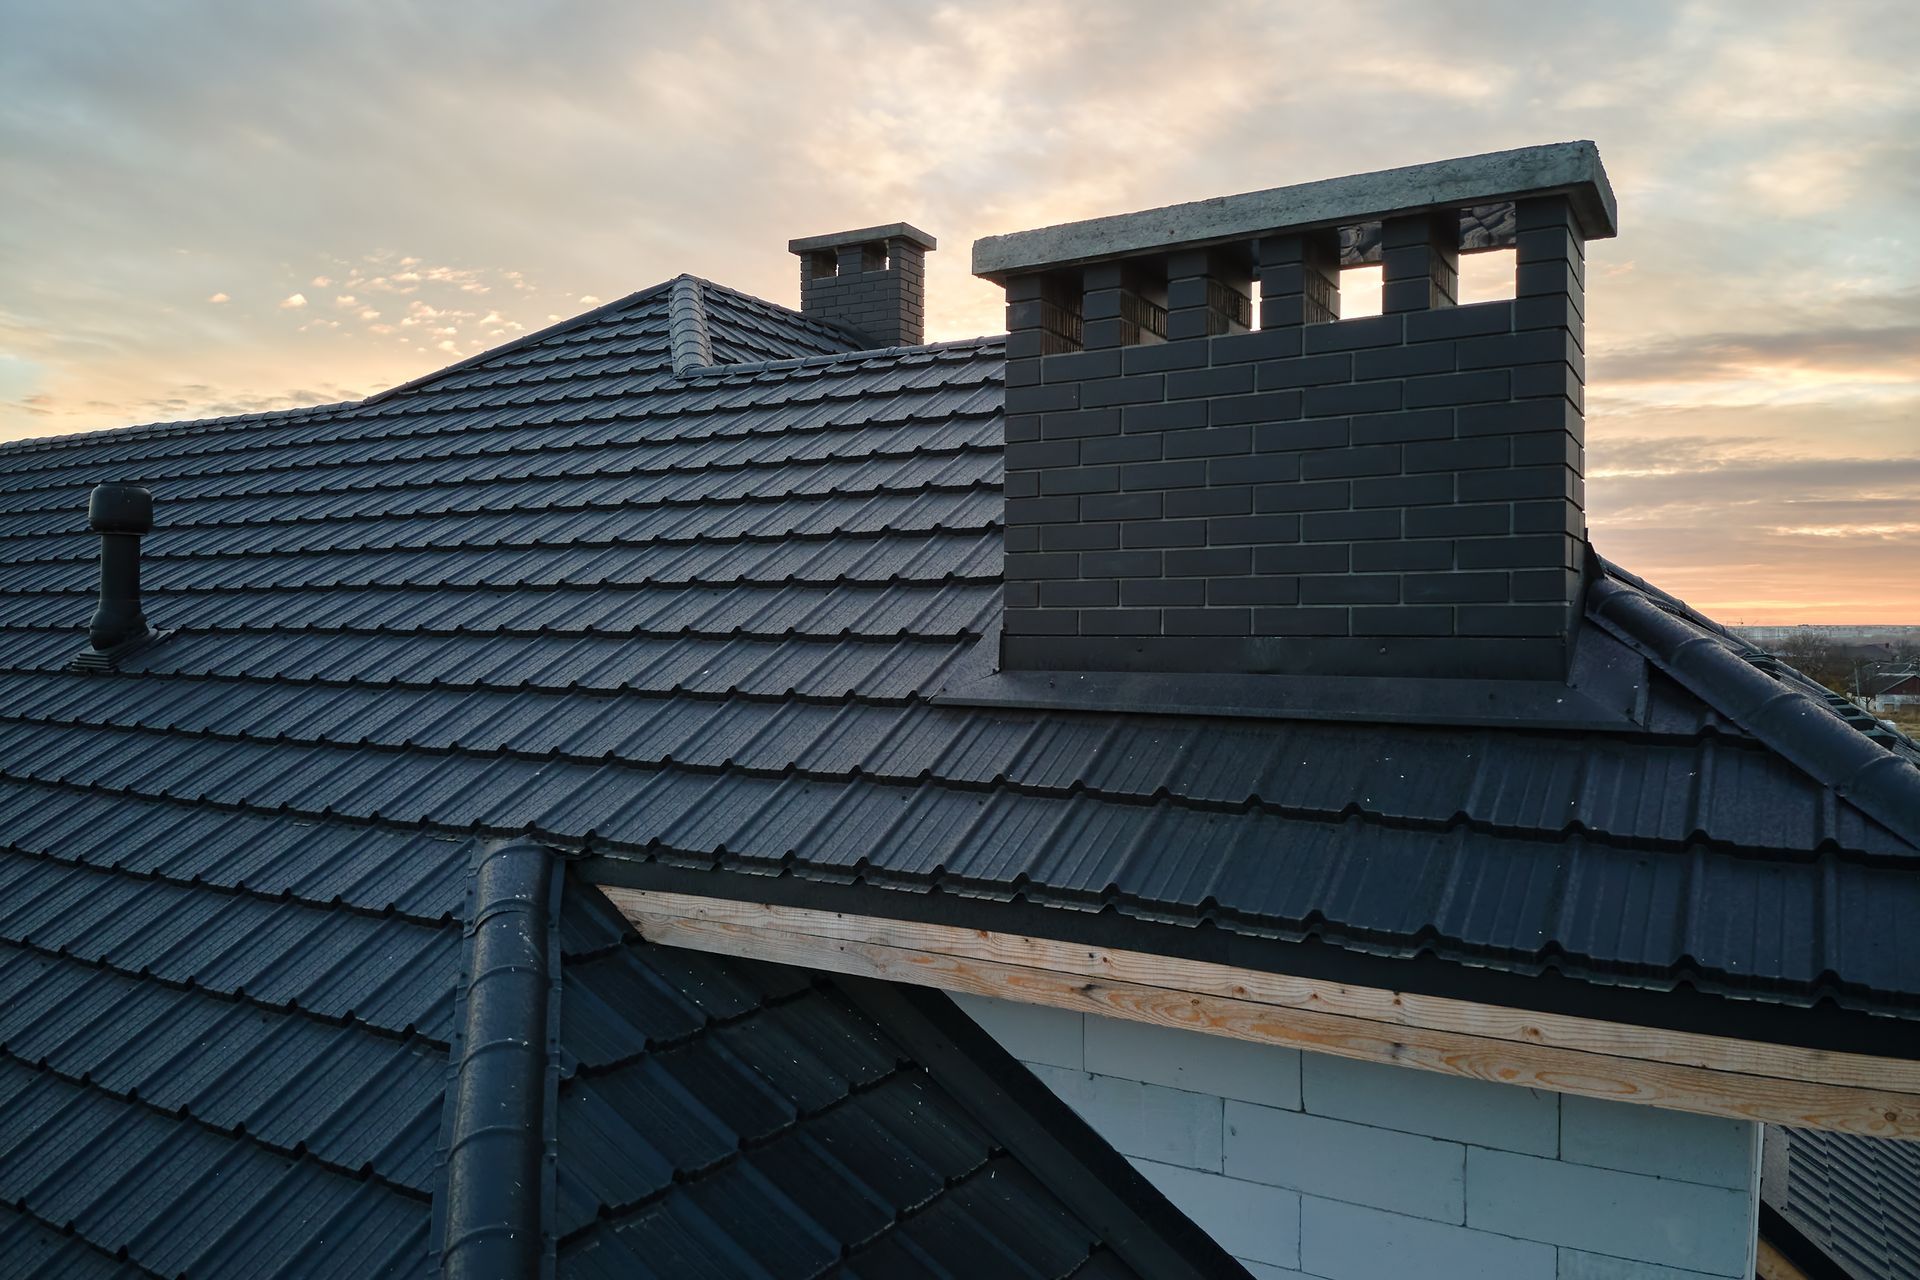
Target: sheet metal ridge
[687, 318]
[523, 341]
[985, 346]
[493, 1208]
[1803, 728]
[1667, 600]
[1862, 721]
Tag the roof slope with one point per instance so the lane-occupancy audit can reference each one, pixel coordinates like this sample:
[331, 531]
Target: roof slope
[1842, 1206]
[700, 620]
[720, 1119]
[228, 1023]
[202, 1078]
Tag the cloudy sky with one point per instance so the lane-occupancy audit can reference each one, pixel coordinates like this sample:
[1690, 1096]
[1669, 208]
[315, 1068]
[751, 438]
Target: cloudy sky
[214, 208]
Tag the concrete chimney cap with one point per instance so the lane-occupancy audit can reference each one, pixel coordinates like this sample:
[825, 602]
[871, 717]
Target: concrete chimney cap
[120, 508]
[865, 235]
[1570, 169]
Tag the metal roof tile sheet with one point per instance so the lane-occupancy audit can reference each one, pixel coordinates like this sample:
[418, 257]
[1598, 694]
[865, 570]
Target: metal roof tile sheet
[171, 1195]
[702, 618]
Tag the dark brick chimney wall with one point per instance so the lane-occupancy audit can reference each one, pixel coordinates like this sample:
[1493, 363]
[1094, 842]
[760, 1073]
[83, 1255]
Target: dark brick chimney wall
[1399, 494]
[872, 281]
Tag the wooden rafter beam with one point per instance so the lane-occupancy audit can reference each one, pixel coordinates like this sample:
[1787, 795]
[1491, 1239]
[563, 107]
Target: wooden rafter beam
[1775, 1265]
[1712, 1075]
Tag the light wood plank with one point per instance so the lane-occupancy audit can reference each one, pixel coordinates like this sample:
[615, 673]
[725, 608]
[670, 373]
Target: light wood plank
[1437, 1013]
[1712, 1075]
[1775, 1265]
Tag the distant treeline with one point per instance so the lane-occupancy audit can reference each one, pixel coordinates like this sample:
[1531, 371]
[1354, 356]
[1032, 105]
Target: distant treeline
[1839, 656]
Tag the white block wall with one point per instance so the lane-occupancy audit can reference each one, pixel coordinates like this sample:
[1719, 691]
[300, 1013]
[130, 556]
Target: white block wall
[1311, 1165]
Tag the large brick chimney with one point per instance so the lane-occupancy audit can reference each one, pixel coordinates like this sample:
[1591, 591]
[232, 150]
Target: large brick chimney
[1394, 495]
[872, 281]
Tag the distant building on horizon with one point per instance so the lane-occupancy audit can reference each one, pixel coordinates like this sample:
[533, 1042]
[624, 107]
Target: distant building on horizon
[1849, 633]
[1884, 691]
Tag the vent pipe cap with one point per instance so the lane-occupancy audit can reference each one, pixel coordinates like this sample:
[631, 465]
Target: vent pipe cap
[120, 514]
[120, 508]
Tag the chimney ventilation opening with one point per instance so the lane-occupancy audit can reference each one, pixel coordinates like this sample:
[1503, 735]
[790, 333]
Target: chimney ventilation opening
[1488, 276]
[871, 282]
[1395, 494]
[1360, 291]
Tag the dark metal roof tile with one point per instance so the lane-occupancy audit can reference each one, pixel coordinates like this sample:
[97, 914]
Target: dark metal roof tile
[38, 1250]
[618, 1005]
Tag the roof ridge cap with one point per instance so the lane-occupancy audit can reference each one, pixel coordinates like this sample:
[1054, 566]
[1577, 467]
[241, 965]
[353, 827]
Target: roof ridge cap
[871, 353]
[494, 1200]
[1802, 729]
[688, 338]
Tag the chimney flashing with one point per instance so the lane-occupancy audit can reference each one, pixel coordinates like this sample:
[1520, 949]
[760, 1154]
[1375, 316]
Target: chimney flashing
[1479, 189]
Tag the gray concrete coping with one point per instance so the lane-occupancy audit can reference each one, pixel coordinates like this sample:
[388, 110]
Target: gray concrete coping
[865, 235]
[1571, 169]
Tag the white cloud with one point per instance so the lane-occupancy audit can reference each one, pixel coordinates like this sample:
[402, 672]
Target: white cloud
[321, 282]
[293, 302]
[345, 300]
[1763, 155]
[219, 297]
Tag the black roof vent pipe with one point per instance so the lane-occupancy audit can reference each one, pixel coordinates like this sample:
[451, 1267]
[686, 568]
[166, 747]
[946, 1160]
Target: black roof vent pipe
[120, 514]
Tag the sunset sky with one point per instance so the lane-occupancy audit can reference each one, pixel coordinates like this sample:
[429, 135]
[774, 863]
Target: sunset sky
[211, 209]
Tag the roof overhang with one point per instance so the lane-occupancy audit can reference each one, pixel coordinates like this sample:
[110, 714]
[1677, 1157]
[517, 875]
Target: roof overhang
[1620, 1062]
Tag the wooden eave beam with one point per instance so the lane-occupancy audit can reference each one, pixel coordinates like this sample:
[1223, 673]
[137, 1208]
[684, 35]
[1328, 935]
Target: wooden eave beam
[1711, 1075]
[1772, 1264]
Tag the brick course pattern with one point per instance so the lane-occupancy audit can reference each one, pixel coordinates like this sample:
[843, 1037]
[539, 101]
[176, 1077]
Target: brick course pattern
[878, 290]
[1392, 494]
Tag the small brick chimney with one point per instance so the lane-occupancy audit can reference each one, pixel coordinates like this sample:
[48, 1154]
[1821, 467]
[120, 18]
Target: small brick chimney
[1392, 495]
[872, 281]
